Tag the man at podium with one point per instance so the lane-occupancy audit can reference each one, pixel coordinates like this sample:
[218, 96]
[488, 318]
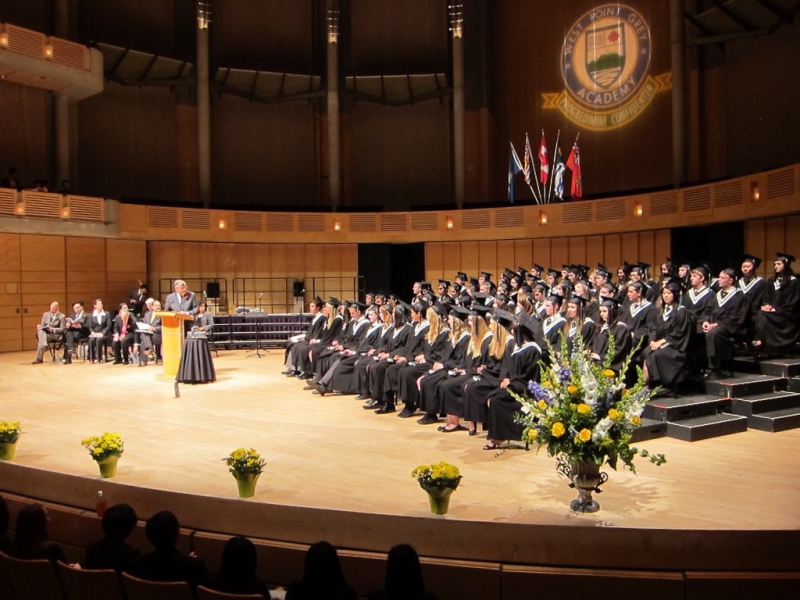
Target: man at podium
[182, 301]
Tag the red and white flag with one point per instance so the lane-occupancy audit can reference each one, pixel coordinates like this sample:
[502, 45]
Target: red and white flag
[544, 166]
[574, 164]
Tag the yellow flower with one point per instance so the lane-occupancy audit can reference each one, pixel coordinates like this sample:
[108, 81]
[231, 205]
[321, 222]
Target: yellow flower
[625, 392]
[585, 435]
[584, 409]
[546, 383]
[613, 413]
[609, 373]
[572, 389]
[558, 429]
[542, 404]
[636, 420]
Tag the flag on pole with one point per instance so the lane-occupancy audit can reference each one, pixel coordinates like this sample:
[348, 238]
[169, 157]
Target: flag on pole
[527, 167]
[544, 166]
[574, 163]
[514, 167]
[558, 174]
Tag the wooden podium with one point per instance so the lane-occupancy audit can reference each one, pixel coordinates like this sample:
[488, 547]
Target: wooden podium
[172, 325]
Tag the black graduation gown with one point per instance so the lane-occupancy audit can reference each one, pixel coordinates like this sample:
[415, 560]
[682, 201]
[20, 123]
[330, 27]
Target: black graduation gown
[476, 392]
[677, 327]
[409, 374]
[587, 333]
[550, 332]
[523, 367]
[622, 340]
[343, 378]
[450, 392]
[429, 383]
[730, 315]
[390, 336]
[779, 328]
[312, 331]
[636, 318]
[326, 336]
[699, 305]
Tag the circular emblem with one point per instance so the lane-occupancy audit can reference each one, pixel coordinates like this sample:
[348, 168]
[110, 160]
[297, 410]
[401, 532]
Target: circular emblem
[606, 57]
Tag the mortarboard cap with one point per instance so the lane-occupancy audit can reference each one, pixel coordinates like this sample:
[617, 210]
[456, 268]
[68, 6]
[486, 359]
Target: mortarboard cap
[753, 259]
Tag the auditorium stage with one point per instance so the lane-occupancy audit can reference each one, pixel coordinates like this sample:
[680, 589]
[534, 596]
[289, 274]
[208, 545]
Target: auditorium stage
[337, 472]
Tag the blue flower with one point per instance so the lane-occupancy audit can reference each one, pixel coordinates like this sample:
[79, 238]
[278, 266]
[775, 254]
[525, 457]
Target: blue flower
[564, 374]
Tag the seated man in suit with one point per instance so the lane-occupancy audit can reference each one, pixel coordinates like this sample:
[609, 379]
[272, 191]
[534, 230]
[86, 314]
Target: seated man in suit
[51, 329]
[147, 328]
[76, 328]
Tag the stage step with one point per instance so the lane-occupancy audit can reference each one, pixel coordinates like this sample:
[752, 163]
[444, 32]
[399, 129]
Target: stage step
[775, 420]
[793, 384]
[777, 367]
[745, 385]
[649, 430]
[685, 407]
[761, 403]
[706, 426]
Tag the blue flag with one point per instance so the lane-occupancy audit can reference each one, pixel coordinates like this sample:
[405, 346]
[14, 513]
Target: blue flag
[514, 167]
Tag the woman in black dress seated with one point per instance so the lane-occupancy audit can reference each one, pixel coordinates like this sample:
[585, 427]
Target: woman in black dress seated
[670, 330]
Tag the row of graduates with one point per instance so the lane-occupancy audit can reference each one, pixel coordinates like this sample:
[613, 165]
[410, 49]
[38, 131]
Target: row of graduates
[445, 359]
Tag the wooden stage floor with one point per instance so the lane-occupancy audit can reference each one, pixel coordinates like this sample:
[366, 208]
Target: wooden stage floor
[352, 468]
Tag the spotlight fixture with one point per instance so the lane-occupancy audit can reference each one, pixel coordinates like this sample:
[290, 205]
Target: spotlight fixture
[449, 224]
[637, 209]
[337, 226]
[48, 51]
[542, 218]
[3, 40]
[222, 225]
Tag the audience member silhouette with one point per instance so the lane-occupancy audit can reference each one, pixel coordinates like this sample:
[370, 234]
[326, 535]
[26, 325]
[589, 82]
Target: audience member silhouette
[322, 577]
[403, 577]
[237, 569]
[166, 562]
[32, 540]
[111, 551]
[5, 540]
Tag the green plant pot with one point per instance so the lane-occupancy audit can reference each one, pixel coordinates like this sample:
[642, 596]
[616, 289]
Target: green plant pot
[247, 484]
[439, 500]
[7, 450]
[108, 467]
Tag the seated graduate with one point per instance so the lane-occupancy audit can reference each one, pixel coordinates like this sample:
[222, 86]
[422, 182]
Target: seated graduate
[776, 325]
[166, 562]
[726, 323]
[577, 322]
[520, 367]
[610, 326]
[112, 551]
[323, 578]
[403, 577]
[670, 330]
[312, 331]
[32, 539]
[124, 339]
[637, 316]
[237, 569]
[392, 341]
[548, 335]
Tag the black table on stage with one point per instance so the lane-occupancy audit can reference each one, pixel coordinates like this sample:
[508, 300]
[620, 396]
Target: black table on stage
[196, 363]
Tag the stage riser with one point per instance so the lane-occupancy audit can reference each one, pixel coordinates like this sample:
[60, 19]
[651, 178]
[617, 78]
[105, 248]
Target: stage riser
[762, 403]
[709, 426]
[775, 421]
[687, 407]
[793, 384]
[745, 385]
[649, 430]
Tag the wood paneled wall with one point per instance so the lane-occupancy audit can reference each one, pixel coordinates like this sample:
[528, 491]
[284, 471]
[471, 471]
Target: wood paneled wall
[35, 270]
[444, 259]
[334, 265]
[765, 237]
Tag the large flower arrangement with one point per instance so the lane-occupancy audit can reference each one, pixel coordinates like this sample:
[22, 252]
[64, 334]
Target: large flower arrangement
[582, 410]
[245, 461]
[10, 431]
[104, 446]
[437, 476]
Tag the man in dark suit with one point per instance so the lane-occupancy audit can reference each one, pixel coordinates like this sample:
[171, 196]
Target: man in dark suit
[137, 299]
[76, 329]
[182, 300]
[51, 329]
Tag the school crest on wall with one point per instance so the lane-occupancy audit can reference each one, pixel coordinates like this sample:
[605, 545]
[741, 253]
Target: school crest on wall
[605, 63]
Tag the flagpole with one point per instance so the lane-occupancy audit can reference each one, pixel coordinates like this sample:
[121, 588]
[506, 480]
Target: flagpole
[526, 172]
[553, 174]
[538, 175]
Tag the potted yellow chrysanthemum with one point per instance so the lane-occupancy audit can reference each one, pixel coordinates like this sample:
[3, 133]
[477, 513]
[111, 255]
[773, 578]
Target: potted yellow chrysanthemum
[105, 450]
[439, 480]
[9, 435]
[246, 465]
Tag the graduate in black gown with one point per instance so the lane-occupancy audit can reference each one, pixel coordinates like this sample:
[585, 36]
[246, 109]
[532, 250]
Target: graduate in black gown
[670, 331]
[450, 392]
[776, 327]
[727, 323]
[610, 326]
[637, 316]
[399, 340]
[576, 323]
[520, 367]
[391, 322]
[455, 358]
[477, 391]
